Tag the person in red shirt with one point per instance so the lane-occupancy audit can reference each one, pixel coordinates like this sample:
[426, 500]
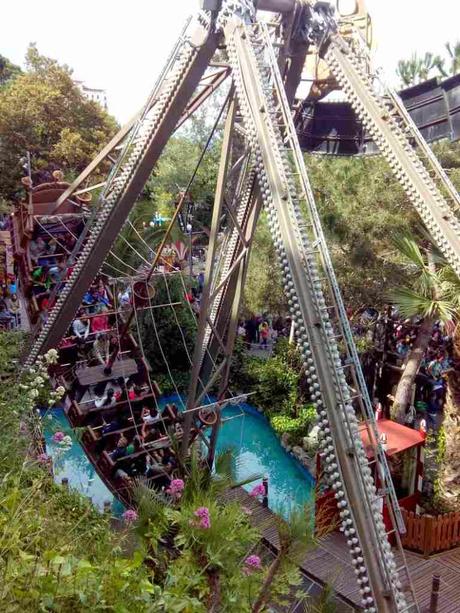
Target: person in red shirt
[100, 322]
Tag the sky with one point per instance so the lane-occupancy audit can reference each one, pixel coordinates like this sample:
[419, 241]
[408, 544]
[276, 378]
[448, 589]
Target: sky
[121, 46]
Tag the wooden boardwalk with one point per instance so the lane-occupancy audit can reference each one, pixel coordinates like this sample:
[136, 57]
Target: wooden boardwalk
[329, 562]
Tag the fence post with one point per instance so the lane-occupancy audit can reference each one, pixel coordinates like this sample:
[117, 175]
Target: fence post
[427, 534]
[265, 498]
[434, 594]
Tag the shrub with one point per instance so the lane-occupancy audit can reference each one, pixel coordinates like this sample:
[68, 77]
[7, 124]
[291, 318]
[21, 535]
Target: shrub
[296, 426]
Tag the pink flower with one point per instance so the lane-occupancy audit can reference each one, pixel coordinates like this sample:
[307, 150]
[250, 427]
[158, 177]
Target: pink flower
[203, 514]
[257, 490]
[42, 458]
[176, 487]
[58, 436]
[129, 516]
[252, 563]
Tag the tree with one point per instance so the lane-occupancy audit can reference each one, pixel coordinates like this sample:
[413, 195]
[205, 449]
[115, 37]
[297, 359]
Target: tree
[42, 111]
[168, 332]
[454, 56]
[263, 290]
[8, 70]
[425, 298]
[361, 205]
[418, 69]
[448, 482]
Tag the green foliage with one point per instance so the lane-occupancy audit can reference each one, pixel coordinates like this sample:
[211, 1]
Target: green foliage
[263, 290]
[418, 69]
[430, 289]
[42, 111]
[58, 553]
[172, 174]
[276, 385]
[168, 333]
[296, 426]
[361, 207]
[8, 70]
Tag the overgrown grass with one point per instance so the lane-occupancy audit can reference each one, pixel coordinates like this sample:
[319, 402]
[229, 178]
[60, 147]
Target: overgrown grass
[57, 552]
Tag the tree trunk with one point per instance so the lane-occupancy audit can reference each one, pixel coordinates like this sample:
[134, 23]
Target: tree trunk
[404, 390]
[449, 475]
[264, 593]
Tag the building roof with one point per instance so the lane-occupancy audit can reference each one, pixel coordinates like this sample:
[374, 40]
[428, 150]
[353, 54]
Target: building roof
[399, 437]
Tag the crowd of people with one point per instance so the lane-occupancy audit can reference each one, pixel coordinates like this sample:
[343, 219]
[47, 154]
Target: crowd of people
[394, 337]
[10, 308]
[262, 331]
[49, 262]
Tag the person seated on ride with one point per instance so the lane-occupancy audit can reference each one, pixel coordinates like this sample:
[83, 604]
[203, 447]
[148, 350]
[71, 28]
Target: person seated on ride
[134, 391]
[101, 349]
[69, 242]
[37, 248]
[99, 389]
[178, 429]
[51, 247]
[124, 477]
[124, 298]
[88, 299]
[154, 466]
[100, 322]
[138, 465]
[134, 446]
[149, 417]
[101, 294]
[169, 459]
[121, 449]
[81, 326]
[112, 426]
[59, 271]
[121, 393]
[107, 400]
[83, 351]
[44, 307]
[41, 279]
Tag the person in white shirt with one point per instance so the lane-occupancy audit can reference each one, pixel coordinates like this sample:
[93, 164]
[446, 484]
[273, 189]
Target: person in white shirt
[80, 327]
[107, 400]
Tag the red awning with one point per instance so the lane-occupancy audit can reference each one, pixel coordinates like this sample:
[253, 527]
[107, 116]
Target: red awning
[399, 437]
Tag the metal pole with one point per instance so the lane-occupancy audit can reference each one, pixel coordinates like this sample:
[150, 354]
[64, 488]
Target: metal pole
[210, 266]
[434, 594]
[190, 254]
[265, 498]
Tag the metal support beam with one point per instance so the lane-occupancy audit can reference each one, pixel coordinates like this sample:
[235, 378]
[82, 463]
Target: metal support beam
[210, 83]
[210, 266]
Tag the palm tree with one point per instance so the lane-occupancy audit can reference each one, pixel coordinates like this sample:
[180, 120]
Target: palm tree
[449, 488]
[419, 69]
[454, 55]
[295, 536]
[426, 298]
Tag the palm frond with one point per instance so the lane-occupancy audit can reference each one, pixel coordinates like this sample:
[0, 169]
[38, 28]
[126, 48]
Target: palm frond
[450, 286]
[225, 464]
[409, 249]
[412, 303]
